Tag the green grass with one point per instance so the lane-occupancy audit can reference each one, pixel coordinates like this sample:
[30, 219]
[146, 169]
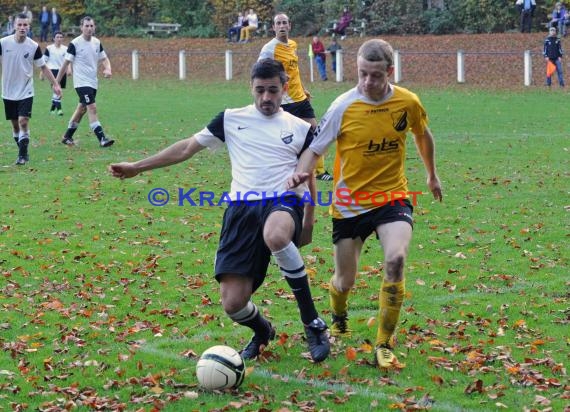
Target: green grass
[102, 294]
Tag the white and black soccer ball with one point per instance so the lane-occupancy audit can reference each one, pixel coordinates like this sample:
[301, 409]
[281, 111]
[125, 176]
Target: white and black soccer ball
[220, 367]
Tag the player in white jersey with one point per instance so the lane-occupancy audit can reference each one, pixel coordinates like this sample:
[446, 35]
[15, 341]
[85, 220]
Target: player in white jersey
[262, 219]
[86, 52]
[54, 56]
[19, 54]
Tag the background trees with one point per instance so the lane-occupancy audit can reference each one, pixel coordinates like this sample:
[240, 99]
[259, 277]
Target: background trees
[211, 18]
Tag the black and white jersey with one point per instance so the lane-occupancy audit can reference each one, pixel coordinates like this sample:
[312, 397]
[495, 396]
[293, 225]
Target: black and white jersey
[264, 150]
[85, 56]
[18, 60]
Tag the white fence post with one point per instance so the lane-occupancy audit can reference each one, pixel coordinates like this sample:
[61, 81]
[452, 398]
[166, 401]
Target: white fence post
[182, 65]
[460, 67]
[229, 65]
[397, 67]
[527, 68]
[135, 64]
[339, 66]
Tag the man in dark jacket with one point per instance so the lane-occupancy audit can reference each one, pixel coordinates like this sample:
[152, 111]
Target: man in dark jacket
[553, 55]
[526, 9]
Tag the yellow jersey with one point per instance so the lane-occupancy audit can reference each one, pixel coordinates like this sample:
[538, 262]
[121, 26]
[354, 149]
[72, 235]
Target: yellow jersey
[370, 141]
[286, 53]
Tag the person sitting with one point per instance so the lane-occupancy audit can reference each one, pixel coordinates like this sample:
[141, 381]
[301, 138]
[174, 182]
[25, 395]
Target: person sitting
[343, 23]
[252, 23]
[235, 29]
[559, 18]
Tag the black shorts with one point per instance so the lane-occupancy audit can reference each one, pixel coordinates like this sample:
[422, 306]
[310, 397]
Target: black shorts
[86, 95]
[63, 81]
[242, 250]
[18, 108]
[302, 109]
[364, 225]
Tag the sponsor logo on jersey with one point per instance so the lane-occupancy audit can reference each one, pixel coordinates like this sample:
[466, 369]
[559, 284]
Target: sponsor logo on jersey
[384, 146]
[400, 121]
[286, 137]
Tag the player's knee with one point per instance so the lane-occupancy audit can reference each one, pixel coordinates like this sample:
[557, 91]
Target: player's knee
[343, 283]
[276, 240]
[233, 303]
[395, 267]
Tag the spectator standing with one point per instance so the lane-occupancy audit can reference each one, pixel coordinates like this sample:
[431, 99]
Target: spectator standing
[332, 49]
[320, 57]
[526, 9]
[30, 16]
[368, 125]
[343, 22]
[559, 18]
[19, 54]
[9, 26]
[54, 56]
[263, 153]
[234, 31]
[252, 22]
[44, 23]
[553, 55]
[296, 99]
[86, 52]
[55, 19]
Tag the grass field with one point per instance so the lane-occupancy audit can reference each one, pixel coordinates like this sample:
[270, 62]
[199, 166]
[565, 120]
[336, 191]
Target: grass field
[107, 301]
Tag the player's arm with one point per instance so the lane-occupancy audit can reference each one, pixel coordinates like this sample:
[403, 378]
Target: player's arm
[47, 74]
[309, 212]
[107, 67]
[176, 153]
[304, 170]
[426, 148]
[63, 69]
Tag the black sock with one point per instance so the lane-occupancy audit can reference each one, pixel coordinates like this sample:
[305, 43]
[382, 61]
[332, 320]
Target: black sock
[251, 317]
[302, 292]
[23, 146]
[70, 132]
[99, 133]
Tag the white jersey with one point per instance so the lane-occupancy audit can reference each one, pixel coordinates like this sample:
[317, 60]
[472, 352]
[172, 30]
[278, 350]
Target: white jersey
[54, 56]
[85, 56]
[264, 150]
[18, 60]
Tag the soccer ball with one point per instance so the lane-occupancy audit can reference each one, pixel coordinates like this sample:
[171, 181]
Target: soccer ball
[220, 367]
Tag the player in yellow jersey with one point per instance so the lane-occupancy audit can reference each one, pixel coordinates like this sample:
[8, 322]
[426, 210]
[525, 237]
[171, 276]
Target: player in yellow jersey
[297, 99]
[369, 125]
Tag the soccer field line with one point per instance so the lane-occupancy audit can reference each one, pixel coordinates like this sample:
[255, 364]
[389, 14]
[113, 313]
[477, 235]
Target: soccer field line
[360, 390]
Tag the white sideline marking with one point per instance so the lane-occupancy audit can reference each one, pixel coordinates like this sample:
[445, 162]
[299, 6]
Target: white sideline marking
[365, 392]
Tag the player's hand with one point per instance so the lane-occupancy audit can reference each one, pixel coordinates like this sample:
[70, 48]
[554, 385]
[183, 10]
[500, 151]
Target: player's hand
[434, 186]
[123, 170]
[57, 90]
[107, 73]
[308, 93]
[306, 236]
[296, 179]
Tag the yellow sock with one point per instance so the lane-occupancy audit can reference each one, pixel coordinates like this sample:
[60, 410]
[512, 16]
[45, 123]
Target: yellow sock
[390, 301]
[338, 300]
[320, 166]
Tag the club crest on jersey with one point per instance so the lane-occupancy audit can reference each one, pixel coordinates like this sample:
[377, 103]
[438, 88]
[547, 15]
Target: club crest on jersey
[26, 55]
[286, 137]
[400, 120]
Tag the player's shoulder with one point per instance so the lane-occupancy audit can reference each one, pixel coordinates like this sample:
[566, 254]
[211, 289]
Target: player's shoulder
[404, 93]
